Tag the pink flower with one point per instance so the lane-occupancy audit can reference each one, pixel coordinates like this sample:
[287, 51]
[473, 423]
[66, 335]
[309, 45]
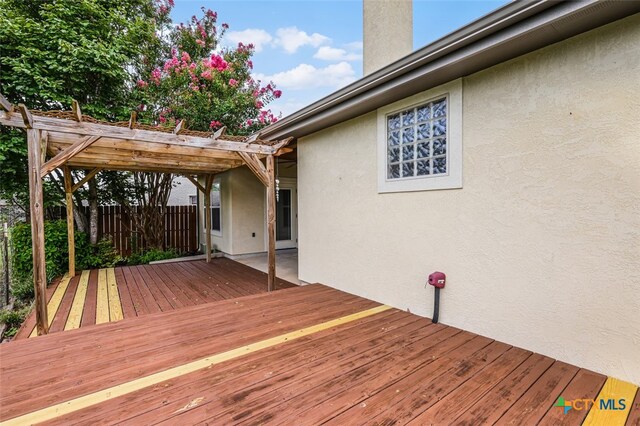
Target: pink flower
[233, 82]
[171, 3]
[274, 119]
[185, 57]
[225, 26]
[163, 119]
[200, 42]
[215, 124]
[259, 104]
[156, 74]
[250, 64]
[206, 74]
[277, 93]
[142, 83]
[249, 122]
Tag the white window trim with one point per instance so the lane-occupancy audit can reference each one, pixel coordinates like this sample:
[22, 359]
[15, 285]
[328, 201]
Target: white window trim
[453, 178]
[214, 232]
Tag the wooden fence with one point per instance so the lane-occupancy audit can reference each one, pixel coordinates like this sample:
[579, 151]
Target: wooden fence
[181, 228]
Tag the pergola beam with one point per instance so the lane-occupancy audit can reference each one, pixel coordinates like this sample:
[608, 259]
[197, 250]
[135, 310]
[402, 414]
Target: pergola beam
[85, 179]
[271, 225]
[77, 112]
[67, 154]
[256, 166]
[266, 175]
[27, 118]
[36, 210]
[5, 104]
[60, 125]
[195, 183]
[71, 242]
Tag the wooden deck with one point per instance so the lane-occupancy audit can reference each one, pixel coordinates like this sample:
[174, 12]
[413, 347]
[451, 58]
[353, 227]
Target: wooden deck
[107, 295]
[307, 355]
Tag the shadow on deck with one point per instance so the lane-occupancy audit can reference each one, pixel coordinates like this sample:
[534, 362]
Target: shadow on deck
[107, 295]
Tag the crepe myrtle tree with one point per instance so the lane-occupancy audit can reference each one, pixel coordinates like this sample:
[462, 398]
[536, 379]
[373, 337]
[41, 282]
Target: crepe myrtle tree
[208, 86]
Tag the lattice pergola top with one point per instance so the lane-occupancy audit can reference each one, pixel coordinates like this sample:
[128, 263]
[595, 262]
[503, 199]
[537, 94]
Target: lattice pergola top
[80, 141]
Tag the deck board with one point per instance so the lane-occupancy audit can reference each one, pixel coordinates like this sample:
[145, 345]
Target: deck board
[391, 367]
[146, 289]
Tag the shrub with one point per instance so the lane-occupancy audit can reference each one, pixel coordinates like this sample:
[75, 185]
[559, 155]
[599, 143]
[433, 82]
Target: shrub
[55, 244]
[13, 319]
[102, 255]
[22, 288]
[151, 255]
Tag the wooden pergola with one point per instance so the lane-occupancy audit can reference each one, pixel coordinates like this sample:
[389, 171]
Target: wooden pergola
[70, 140]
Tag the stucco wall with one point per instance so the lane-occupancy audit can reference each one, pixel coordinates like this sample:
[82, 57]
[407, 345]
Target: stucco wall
[181, 191]
[541, 247]
[243, 212]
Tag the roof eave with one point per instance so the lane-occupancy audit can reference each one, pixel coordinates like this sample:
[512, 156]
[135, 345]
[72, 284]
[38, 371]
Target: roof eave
[506, 33]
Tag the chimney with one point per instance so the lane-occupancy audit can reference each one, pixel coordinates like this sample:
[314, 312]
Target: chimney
[388, 32]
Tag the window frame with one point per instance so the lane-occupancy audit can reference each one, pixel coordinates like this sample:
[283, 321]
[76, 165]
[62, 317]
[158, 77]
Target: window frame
[216, 232]
[453, 178]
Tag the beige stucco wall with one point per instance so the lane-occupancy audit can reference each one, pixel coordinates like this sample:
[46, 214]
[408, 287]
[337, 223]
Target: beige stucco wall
[542, 245]
[243, 212]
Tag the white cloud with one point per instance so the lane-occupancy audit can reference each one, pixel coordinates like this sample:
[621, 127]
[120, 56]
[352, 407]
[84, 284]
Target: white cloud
[354, 45]
[305, 76]
[259, 38]
[291, 39]
[327, 53]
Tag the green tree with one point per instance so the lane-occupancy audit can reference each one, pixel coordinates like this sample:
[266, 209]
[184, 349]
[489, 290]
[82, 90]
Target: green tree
[53, 51]
[203, 84]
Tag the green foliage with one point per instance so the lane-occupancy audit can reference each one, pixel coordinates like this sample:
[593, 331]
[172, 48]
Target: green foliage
[102, 255]
[53, 51]
[22, 288]
[151, 255]
[208, 90]
[13, 319]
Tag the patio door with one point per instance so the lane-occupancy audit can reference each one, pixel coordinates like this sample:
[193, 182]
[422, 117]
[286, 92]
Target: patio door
[286, 215]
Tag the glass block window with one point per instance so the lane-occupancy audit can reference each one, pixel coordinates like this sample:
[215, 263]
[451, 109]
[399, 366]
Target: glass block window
[417, 141]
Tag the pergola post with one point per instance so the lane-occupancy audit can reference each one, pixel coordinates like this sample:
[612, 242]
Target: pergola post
[37, 228]
[71, 242]
[271, 224]
[207, 216]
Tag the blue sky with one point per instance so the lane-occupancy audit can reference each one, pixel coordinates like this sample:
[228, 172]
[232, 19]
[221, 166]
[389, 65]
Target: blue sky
[311, 48]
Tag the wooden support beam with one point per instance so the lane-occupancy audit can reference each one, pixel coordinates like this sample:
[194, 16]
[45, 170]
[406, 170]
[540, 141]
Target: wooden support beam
[71, 242]
[77, 112]
[256, 166]
[133, 119]
[27, 118]
[5, 104]
[283, 151]
[85, 179]
[195, 183]
[254, 137]
[207, 215]
[178, 128]
[218, 133]
[67, 154]
[271, 224]
[60, 125]
[44, 145]
[282, 144]
[36, 210]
